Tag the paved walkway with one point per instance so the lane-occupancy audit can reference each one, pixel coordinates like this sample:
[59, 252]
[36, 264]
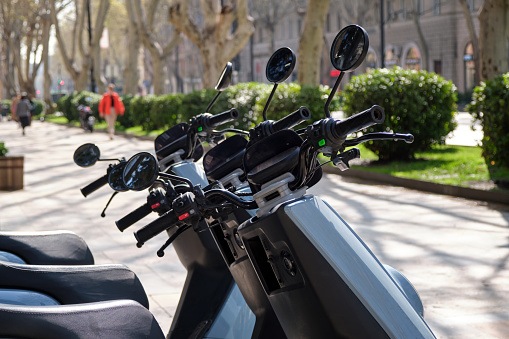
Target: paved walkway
[454, 251]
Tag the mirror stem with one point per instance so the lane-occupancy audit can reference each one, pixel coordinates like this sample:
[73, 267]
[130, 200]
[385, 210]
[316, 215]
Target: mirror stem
[268, 102]
[177, 178]
[213, 101]
[332, 93]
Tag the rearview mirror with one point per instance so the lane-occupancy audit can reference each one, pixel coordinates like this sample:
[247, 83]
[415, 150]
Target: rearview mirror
[86, 155]
[225, 79]
[349, 48]
[140, 171]
[280, 65]
[115, 178]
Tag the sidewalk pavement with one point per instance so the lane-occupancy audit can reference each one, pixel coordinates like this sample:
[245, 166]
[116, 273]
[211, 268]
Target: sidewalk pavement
[454, 251]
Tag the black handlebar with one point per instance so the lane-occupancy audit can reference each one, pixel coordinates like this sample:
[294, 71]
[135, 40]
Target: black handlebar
[359, 121]
[133, 217]
[223, 118]
[94, 186]
[157, 226]
[292, 119]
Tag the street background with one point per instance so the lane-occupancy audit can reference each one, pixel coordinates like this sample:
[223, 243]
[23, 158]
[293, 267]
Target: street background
[454, 251]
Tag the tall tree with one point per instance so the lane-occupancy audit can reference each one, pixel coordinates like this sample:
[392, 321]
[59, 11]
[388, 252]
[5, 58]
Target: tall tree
[223, 32]
[493, 41]
[23, 32]
[415, 13]
[131, 65]
[311, 43]
[158, 52]
[80, 73]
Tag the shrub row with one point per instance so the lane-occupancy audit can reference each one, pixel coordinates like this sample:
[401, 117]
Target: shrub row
[415, 102]
[490, 106]
[163, 111]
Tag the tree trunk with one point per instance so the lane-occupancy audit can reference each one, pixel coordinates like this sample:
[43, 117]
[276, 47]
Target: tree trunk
[45, 60]
[473, 39]
[311, 42]
[131, 69]
[493, 44]
[214, 39]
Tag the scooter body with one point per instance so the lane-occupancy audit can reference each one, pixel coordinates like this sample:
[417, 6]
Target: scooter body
[322, 280]
[225, 314]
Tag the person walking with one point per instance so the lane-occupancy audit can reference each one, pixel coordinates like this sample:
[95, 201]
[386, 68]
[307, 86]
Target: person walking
[23, 108]
[14, 104]
[109, 107]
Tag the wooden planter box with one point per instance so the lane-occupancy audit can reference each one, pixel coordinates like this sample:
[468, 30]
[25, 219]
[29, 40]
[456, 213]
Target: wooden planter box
[11, 173]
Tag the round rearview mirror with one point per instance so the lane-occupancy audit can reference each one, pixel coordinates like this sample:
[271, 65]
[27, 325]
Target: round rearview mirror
[140, 171]
[226, 78]
[280, 65]
[86, 155]
[116, 178]
[349, 48]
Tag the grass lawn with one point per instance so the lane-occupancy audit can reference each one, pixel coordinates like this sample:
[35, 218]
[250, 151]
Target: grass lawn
[452, 165]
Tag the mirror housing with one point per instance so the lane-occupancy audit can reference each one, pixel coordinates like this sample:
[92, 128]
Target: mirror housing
[140, 171]
[225, 79]
[280, 65]
[349, 48]
[86, 155]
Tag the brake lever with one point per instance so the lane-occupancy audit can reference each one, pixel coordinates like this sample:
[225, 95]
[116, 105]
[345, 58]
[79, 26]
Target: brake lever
[103, 213]
[408, 138]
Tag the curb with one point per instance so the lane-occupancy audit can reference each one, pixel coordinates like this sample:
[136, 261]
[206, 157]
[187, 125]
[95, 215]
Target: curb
[456, 191]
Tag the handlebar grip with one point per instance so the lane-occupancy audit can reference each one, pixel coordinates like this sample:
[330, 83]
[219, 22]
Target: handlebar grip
[223, 118]
[369, 117]
[292, 119]
[133, 217]
[155, 227]
[94, 186]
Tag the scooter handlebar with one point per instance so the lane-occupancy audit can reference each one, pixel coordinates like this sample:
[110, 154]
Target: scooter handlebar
[364, 119]
[94, 186]
[157, 226]
[292, 119]
[223, 118]
[133, 217]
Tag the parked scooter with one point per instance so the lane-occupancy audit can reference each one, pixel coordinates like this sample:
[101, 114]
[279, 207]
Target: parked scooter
[87, 119]
[316, 288]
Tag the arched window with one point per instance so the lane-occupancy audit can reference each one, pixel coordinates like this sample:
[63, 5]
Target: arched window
[413, 59]
[370, 61]
[469, 67]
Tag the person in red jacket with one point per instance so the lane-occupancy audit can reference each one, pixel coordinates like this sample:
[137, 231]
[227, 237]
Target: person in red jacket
[109, 107]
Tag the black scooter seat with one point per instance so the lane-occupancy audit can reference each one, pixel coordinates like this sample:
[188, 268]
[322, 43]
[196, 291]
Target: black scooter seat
[124, 319]
[47, 248]
[75, 284]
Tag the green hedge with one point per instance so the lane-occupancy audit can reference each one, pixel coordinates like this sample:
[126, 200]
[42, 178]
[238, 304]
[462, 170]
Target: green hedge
[490, 106]
[3, 149]
[415, 102]
[157, 112]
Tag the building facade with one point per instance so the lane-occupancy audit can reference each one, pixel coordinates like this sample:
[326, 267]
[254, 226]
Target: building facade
[442, 23]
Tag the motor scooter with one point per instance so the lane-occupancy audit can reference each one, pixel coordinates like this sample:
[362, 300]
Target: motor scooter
[315, 287]
[87, 119]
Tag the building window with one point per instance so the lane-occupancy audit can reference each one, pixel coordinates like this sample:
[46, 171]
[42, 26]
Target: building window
[338, 26]
[471, 4]
[413, 59]
[469, 67]
[403, 10]
[437, 66]
[370, 61]
[327, 23]
[390, 10]
[299, 26]
[436, 7]
[419, 6]
[290, 29]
